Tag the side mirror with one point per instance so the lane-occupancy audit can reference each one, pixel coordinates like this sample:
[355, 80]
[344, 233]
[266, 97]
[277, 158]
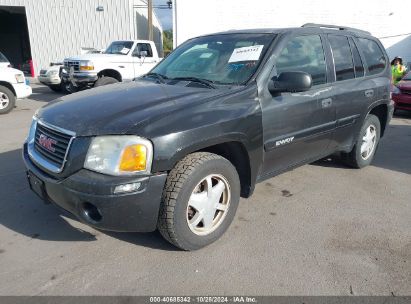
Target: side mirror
[290, 82]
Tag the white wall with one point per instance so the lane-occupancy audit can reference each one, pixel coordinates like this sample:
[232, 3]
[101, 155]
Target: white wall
[380, 17]
[60, 28]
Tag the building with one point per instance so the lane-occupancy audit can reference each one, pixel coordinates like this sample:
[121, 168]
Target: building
[50, 30]
[385, 20]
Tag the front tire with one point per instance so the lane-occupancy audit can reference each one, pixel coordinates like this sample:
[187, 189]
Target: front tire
[7, 100]
[105, 81]
[366, 145]
[200, 200]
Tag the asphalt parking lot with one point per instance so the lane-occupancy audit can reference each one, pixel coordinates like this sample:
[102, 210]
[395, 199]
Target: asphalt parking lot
[322, 229]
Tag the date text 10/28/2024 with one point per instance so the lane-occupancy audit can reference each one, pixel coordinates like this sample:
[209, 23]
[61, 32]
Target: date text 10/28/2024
[198, 299]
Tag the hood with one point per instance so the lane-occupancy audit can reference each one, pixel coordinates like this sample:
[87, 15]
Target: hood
[115, 109]
[97, 57]
[9, 71]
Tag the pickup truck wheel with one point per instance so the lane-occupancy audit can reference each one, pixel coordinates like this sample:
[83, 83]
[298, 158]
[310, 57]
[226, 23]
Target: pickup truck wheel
[102, 81]
[200, 200]
[366, 145]
[7, 100]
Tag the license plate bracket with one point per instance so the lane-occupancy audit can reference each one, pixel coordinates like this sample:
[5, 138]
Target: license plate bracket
[38, 187]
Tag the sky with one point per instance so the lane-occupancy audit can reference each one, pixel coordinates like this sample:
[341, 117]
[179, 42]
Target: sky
[165, 15]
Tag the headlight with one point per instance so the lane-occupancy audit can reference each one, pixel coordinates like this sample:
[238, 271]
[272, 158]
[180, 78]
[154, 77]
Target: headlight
[19, 78]
[53, 73]
[120, 155]
[86, 66]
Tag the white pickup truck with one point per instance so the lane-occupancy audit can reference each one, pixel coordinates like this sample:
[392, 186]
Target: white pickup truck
[13, 85]
[121, 61]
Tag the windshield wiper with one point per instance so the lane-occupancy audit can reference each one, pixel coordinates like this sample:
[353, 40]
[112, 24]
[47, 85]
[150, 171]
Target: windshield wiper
[206, 82]
[160, 77]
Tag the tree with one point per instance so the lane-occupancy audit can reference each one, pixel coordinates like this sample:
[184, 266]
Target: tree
[167, 42]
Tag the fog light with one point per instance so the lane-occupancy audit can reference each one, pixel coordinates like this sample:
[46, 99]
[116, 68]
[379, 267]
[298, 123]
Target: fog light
[127, 188]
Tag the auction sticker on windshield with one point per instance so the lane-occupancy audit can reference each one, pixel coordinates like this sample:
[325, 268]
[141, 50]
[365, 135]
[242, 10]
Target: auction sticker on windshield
[248, 53]
[125, 51]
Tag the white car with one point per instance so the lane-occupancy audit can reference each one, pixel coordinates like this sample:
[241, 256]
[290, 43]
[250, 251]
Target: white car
[4, 62]
[51, 77]
[13, 86]
[121, 61]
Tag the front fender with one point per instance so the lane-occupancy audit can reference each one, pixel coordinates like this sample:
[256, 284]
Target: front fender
[233, 118]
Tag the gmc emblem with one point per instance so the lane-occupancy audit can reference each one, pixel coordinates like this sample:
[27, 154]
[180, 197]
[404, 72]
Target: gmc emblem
[47, 143]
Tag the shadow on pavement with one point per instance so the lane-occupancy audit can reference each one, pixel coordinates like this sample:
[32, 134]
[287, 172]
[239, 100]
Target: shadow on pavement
[44, 94]
[23, 212]
[394, 151]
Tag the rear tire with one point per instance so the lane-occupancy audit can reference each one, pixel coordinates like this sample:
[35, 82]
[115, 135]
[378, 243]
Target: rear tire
[194, 214]
[7, 100]
[366, 144]
[102, 81]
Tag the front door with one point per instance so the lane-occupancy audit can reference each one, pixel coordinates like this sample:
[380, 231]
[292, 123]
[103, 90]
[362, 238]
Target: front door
[298, 126]
[143, 64]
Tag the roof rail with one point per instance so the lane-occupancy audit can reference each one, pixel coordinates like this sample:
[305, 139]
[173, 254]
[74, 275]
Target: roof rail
[341, 28]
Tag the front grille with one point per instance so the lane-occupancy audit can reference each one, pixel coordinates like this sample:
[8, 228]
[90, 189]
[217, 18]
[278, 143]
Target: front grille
[56, 152]
[75, 64]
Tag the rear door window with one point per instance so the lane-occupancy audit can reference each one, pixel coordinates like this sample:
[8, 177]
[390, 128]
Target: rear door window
[344, 66]
[374, 56]
[358, 65]
[305, 54]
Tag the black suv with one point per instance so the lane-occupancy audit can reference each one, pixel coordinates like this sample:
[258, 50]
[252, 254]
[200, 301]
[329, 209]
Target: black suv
[175, 149]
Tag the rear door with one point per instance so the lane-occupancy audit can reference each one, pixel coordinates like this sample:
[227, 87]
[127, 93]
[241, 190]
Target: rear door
[353, 91]
[298, 126]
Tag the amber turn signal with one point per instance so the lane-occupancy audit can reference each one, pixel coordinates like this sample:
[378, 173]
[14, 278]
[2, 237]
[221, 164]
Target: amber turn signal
[134, 158]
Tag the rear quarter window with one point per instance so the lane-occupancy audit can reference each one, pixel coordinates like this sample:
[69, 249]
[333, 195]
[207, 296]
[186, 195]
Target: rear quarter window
[373, 55]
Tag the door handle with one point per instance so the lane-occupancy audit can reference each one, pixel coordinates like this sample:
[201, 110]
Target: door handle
[326, 103]
[369, 93]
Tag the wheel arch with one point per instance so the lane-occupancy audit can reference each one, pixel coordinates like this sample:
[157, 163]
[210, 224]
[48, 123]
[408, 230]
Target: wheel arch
[232, 147]
[111, 73]
[381, 111]
[8, 86]
[236, 153]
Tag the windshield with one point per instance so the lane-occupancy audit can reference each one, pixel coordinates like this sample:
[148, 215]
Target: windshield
[119, 47]
[3, 58]
[221, 59]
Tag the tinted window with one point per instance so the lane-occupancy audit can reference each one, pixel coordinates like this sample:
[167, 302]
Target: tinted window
[305, 54]
[3, 58]
[344, 67]
[374, 57]
[143, 47]
[359, 67]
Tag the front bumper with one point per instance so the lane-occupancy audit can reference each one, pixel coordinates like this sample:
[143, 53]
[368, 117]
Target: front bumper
[79, 78]
[53, 80]
[89, 196]
[22, 90]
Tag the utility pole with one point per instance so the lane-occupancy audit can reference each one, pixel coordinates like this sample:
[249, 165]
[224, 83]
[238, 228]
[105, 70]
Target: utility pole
[150, 20]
